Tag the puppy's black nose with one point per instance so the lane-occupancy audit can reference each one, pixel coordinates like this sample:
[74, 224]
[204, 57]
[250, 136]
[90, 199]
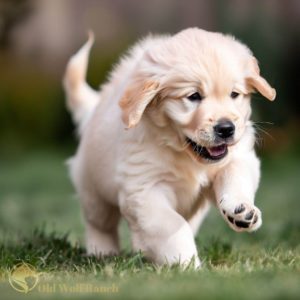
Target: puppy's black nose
[224, 129]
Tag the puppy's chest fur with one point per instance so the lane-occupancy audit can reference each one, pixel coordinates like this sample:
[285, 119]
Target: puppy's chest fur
[144, 164]
[192, 188]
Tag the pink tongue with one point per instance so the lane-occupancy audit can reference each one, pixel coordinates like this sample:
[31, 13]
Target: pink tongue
[217, 151]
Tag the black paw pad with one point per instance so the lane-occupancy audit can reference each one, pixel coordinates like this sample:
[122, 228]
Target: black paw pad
[239, 209]
[230, 219]
[249, 215]
[242, 224]
[255, 219]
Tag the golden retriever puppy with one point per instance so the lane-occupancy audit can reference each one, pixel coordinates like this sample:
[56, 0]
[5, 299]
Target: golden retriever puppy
[168, 134]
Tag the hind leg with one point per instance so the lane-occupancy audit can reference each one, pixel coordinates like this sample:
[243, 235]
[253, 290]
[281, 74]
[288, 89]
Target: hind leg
[102, 220]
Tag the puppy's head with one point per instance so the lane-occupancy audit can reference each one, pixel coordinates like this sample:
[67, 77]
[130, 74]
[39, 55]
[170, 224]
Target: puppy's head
[199, 83]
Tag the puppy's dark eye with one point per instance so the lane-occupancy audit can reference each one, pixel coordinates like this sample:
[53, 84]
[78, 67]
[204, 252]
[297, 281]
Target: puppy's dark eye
[234, 95]
[195, 97]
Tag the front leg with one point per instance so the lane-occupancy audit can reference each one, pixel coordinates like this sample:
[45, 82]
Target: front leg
[157, 229]
[235, 187]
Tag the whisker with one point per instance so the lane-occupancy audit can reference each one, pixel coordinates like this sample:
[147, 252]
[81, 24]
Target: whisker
[259, 128]
[262, 122]
[258, 139]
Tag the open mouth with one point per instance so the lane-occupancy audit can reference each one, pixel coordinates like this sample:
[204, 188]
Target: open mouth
[214, 153]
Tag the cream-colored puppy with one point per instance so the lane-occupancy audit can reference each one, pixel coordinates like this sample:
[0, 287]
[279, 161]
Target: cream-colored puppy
[168, 134]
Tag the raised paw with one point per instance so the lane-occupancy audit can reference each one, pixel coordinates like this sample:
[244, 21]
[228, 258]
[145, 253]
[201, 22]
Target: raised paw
[243, 217]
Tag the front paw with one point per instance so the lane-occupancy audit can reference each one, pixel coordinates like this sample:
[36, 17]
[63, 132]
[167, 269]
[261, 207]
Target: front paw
[243, 217]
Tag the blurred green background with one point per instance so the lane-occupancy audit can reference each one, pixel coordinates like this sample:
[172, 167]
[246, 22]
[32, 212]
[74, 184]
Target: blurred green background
[37, 136]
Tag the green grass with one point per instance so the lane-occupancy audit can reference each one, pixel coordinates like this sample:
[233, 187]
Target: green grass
[41, 225]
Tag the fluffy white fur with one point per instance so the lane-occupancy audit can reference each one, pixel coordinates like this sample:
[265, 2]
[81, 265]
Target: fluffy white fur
[133, 159]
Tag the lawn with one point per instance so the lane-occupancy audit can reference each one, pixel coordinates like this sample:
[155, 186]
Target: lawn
[40, 224]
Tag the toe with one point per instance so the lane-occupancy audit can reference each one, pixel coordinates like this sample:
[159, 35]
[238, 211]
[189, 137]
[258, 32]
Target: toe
[239, 209]
[255, 219]
[249, 215]
[230, 219]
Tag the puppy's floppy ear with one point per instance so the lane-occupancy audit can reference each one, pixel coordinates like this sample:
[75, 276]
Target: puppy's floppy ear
[258, 83]
[135, 100]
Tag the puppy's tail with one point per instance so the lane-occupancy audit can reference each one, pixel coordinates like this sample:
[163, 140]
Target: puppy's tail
[81, 98]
